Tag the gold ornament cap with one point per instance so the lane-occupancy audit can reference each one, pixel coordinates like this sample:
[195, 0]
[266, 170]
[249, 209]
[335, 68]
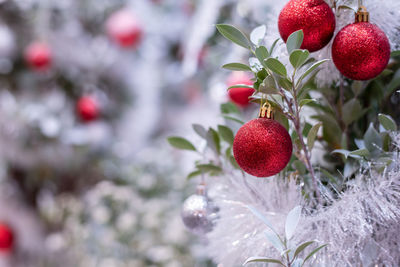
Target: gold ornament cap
[362, 14]
[266, 111]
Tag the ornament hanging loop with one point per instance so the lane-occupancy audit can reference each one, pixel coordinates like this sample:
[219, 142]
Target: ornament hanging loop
[362, 14]
[266, 111]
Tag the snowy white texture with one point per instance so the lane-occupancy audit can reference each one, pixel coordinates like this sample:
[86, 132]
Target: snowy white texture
[385, 14]
[360, 226]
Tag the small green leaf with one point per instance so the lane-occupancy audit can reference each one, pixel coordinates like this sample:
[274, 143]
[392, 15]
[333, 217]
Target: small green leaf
[213, 140]
[180, 143]
[271, 50]
[257, 35]
[233, 34]
[298, 57]
[304, 102]
[226, 133]
[233, 162]
[372, 139]
[262, 259]
[233, 119]
[302, 247]
[292, 220]
[236, 67]
[285, 83]
[387, 122]
[395, 53]
[268, 86]
[262, 218]
[344, 152]
[360, 152]
[313, 252]
[294, 41]
[312, 134]
[274, 239]
[352, 111]
[311, 69]
[200, 130]
[227, 108]
[194, 174]
[261, 54]
[276, 66]
[240, 86]
[208, 168]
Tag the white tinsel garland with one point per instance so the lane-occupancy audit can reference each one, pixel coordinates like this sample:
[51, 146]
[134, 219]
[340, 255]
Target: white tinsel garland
[360, 227]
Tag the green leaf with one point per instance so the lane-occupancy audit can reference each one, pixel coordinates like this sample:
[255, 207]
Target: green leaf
[360, 152]
[352, 111]
[208, 168]
[234, 35]
[268, 86]
[292, 220]
[194, 174]
[313, 252]
[262, 259]
[271, 50]
[304, 102]
[233, 119]
[344, 152]
[276, 66]
[372, 139]
[299, 165]
[298, 57]
[285, 83]
[213, 140]
[200, 130]
[233, 162]
[387, 122]
[261, 54]
[302, 247]
[226, 133]
[395, 53]
[236, 67]
[227, 108]
[240, 86]
[180, 143]
[262, 218]
[312, 134]
[274, 239]
[310, 70]
[393, 84]
[257, 35]
[294, 41]
[357, 87]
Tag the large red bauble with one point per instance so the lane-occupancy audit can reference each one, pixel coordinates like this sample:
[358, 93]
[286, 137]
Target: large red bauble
[38, 56]
[240, 96]
[123, 28]
[262, 147]
[361, 51]
[314, 17]
[6, 238]
[87, 108]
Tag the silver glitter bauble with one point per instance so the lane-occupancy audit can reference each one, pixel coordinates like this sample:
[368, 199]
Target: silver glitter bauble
[198, 213]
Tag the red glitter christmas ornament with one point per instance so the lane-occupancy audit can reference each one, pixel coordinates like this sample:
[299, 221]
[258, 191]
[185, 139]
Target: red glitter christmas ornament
[38, 56]
[262, 147]
[87, 108]
[240, 96]
[361, 50]
[6, 238]
[314, 17]
[123, 28]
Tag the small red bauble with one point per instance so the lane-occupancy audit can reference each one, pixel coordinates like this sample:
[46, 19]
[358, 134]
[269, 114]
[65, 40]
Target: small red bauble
[240, 96]
[262, 147]
[6, 238]
[361, 51]
[123, 28]
[38, 56]
[87, 108]
[314, 17]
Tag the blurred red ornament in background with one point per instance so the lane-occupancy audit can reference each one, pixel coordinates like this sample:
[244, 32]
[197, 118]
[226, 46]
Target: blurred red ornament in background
[123, 28]
[314, 17]
[6, 238]
[262, 147]
[87, 108]
[361, 51]
[240, 96]
[38, 56]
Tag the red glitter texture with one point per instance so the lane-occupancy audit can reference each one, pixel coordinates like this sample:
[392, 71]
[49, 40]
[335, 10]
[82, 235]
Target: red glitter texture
[314, 17]
[240, 96]
[6, 238]
[361, 51]
[38, 56]
[87, 108]
[262, 147]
